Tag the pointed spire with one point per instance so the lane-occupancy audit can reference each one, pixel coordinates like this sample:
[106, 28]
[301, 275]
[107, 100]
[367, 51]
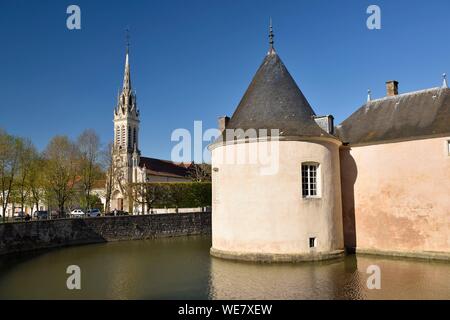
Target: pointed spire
[271, 36]
[369, 95]
[126, 77]
[444, 81]
[128, 39]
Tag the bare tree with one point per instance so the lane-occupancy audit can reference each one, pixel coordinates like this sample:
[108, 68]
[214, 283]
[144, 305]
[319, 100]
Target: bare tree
[200, 172]
[148, 194]
[110, 168]
[62, 162]
[89, 147]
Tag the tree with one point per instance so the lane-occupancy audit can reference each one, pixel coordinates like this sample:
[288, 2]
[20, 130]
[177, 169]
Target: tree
[62, 163]
[200, 172]
[147, 194]
[27, 154]
[35, 182]
[9, 158]
[110, 169]
[88, 144]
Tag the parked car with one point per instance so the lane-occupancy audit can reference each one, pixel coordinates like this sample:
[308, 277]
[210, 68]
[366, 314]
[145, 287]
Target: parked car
[94, 213]
[77, 213]
[21, 216]
[56, 214]
[40, 215]
[117, 213]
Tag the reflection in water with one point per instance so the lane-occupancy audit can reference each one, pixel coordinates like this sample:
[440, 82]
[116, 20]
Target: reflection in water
[181, 268]
[338, 279]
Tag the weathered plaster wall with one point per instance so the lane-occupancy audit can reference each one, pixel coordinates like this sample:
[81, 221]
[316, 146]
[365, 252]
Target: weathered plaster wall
[258, 214]
[396, 197]
[17, 237]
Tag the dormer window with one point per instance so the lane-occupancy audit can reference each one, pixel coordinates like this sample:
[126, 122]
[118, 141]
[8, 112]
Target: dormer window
[310, 180]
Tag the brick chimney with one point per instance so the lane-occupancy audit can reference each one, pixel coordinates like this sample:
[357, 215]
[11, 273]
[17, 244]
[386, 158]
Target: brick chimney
[223, 122]
[391, 88]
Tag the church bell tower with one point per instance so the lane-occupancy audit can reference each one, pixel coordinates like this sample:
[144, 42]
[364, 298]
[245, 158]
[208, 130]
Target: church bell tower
[126, 126]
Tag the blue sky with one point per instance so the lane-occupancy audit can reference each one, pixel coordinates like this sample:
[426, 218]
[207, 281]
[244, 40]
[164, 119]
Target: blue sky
[193, 60]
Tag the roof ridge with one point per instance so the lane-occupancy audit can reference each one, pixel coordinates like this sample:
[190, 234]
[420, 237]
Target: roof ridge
[406, 94]
[168, 161]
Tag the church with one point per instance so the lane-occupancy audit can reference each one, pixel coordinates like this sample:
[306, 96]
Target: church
[378, 183]
[128, 164]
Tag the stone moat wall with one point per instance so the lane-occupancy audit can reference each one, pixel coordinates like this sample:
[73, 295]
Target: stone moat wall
[26, 236]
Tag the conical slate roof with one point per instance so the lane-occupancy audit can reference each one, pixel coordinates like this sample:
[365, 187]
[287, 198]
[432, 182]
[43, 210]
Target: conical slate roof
[274, 101]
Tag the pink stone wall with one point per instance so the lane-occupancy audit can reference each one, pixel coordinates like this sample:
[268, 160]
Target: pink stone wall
[396, 196]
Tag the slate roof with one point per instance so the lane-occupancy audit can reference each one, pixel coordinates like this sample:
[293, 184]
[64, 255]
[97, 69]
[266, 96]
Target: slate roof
[405, 116]
[274, 101]
[165, 168]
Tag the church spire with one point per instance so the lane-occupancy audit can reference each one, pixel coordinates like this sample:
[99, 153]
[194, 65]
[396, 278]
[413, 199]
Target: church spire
[127, 77]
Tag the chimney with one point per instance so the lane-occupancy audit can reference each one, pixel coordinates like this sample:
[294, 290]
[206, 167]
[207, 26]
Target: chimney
[223, 122]
[391, 88]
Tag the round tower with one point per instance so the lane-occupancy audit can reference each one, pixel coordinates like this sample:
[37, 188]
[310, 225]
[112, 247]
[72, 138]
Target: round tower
[276, 175]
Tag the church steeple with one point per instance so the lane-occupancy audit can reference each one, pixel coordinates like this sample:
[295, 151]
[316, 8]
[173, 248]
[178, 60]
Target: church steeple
[127, 77]
[126, 113]
[127, 98]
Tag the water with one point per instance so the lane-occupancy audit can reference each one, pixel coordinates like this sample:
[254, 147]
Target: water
[181, 268]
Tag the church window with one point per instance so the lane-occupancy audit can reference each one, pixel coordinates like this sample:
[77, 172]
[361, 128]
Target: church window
[129, 137]
[117, 136]
[134, 137]
[123, 136]
[310, 185]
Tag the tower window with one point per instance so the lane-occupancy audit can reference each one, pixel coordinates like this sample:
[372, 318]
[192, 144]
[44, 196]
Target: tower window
[134, 137]
[310, 180]
[117, 136]
[123, 137]
[312, 242]
[129, 137]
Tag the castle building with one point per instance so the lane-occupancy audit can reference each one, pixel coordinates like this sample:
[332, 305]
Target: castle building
[377, 183]
[129, 166]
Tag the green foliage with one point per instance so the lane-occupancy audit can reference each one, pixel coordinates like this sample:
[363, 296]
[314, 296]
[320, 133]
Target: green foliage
[173, 194]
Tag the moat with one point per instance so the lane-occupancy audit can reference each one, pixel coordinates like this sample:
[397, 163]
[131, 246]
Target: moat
[181, 268]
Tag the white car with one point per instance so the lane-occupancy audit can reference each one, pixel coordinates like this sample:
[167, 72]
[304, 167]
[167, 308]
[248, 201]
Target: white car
[77, 213]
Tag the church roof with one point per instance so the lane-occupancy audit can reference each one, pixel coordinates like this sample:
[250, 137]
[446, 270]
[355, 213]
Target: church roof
[274, 101]
[165, 168]
[400, 117]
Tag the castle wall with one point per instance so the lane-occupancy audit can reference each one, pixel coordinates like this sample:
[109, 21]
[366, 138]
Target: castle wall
[43, 234]
[396, 197]
[265, 217]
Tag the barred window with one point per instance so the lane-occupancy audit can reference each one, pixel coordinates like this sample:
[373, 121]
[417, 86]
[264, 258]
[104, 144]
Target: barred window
[309, 179]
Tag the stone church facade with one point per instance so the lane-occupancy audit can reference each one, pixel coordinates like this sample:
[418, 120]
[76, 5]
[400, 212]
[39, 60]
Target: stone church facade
[377, 183]
[129, 166]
